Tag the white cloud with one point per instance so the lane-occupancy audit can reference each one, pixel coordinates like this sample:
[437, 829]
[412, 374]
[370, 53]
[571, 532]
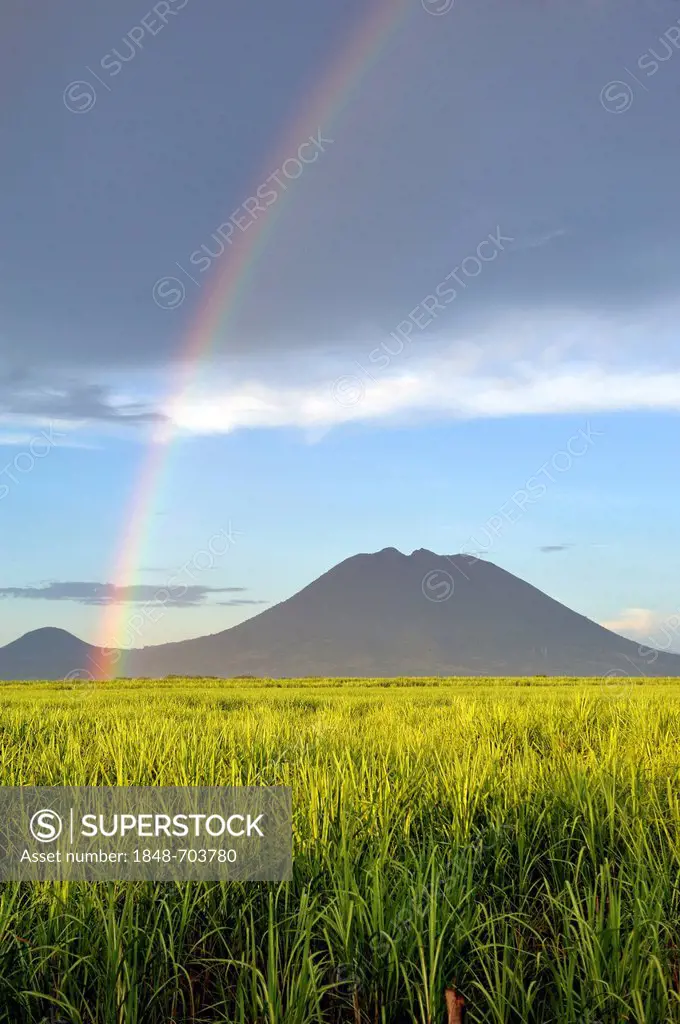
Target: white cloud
[533, 364]
[637, 623]
[436, 390]
[554, 364]
[652, 629]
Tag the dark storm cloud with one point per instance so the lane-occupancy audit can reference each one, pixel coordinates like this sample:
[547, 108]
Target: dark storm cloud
[496, 115]
[21, 395]
[106, 593]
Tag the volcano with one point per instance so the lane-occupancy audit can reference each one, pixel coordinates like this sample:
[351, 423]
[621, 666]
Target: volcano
[383, 614]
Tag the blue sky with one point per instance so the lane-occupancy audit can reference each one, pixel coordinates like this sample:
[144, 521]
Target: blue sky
[479, 267]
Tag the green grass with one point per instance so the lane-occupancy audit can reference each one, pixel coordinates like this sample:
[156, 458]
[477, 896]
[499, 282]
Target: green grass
[519, 839]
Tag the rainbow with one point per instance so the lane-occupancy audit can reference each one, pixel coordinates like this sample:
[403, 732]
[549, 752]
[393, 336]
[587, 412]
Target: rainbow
[329, 98]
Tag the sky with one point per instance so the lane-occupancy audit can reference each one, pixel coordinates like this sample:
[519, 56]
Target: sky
[284, 283]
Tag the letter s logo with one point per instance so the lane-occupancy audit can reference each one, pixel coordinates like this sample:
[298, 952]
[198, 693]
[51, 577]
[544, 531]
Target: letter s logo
[46, 826]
